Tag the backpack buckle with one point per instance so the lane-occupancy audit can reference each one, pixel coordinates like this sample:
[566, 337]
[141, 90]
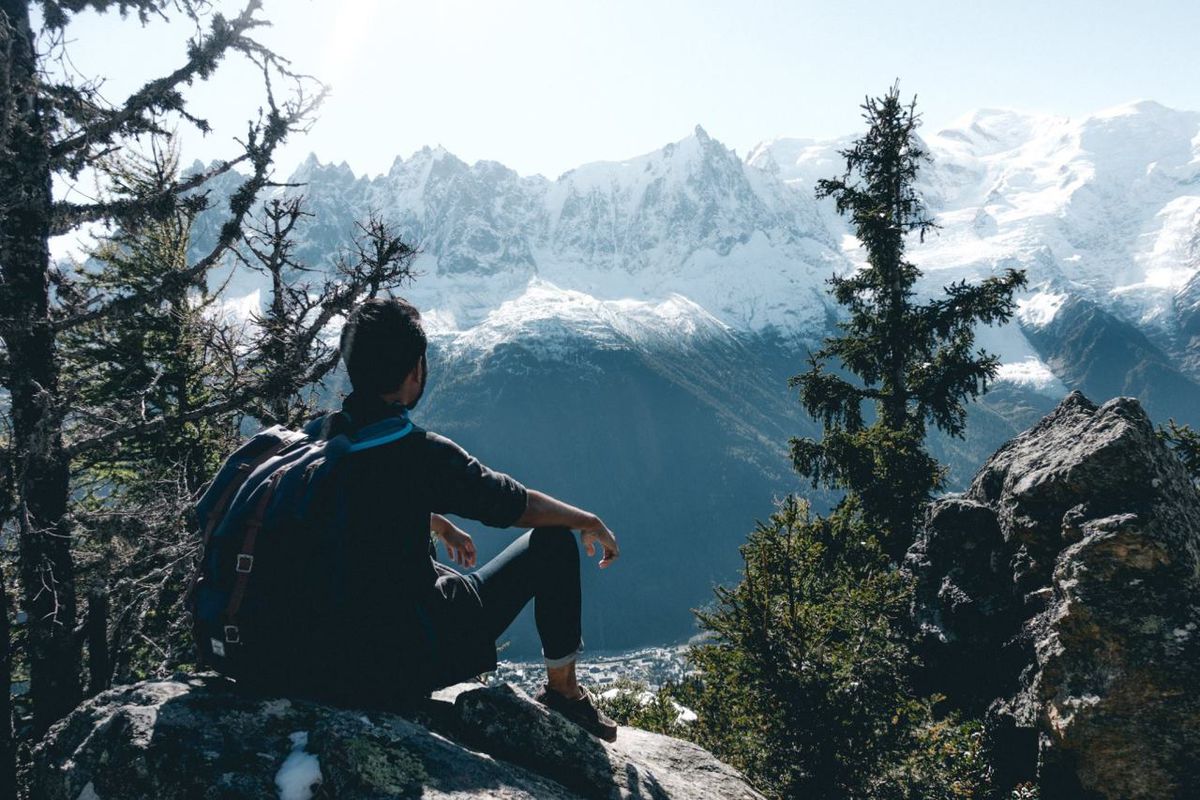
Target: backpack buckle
[231, 634]
[245, 562]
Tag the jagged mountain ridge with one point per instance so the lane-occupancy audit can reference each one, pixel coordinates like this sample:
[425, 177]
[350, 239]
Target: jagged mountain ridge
[676, 221]
[1104, 208]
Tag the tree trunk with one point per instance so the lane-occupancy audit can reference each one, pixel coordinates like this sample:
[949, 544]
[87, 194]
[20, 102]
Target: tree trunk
[99, 661]
[8, 745]
[40, 467]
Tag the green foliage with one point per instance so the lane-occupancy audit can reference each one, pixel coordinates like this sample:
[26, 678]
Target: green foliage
[915, 362]
[134, 545]
[806, 682]
[157, 364]
[635, 705]
[942, 759]
[1185, 441]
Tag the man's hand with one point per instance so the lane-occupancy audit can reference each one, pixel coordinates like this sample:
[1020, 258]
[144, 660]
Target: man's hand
[598, 533]
[460, 547]
[542, 509]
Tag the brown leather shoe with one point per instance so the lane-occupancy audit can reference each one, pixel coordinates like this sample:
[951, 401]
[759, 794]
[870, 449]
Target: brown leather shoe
[582, 711]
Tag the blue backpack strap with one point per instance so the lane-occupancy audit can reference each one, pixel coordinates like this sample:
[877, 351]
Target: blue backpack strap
[324, 426]
[386, 431]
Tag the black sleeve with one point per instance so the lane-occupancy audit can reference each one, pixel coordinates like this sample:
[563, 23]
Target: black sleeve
[462, 486]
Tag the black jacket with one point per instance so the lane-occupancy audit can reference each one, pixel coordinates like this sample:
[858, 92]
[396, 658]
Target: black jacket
[395, 623]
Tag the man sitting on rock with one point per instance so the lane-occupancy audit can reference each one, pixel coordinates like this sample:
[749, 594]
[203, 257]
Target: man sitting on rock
[400, 612]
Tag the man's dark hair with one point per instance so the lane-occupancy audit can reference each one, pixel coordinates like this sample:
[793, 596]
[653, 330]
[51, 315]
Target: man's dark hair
[381, 342]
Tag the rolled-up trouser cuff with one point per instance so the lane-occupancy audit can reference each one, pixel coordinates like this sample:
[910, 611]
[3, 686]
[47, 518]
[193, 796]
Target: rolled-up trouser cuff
[553, 663]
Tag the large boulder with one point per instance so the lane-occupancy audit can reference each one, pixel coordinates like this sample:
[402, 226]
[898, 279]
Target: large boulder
[1061, 594]
[197, 737]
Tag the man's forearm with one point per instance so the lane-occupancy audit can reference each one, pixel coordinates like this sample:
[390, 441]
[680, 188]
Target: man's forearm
[543, 510]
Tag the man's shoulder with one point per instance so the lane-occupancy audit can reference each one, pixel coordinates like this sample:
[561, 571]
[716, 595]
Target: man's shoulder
[433, 437]
[436, 445]
[423, 443]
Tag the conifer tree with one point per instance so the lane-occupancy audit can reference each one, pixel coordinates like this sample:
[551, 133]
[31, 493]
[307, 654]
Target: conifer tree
[163, 362]
[55, 126]
[131, 500]
[807, 676]
[899, 364]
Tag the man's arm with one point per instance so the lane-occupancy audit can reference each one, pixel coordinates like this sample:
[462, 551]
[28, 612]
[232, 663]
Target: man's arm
[542, 510]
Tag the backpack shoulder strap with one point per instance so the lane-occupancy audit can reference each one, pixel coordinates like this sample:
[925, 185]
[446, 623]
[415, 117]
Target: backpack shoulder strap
[386, 431]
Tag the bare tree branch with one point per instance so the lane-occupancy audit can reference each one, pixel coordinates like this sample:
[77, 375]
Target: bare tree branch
[137, 114]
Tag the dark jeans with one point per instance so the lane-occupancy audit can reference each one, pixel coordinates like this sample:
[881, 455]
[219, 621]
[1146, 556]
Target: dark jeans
[542, 564]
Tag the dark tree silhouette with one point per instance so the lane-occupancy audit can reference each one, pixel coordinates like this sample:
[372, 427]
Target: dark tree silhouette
[915, 362]
[54, 127]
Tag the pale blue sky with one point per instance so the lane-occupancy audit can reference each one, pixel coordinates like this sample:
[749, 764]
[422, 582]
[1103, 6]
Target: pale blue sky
[544, 85]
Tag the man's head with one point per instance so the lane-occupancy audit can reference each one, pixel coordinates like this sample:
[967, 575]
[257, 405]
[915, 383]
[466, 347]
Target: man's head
[383, 347]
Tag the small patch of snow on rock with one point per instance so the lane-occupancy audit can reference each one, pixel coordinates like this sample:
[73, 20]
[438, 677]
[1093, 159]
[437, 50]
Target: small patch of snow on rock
[300, 771]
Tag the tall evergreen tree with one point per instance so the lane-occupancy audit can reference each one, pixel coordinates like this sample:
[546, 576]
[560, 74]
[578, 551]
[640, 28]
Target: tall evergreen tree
[163, 362]
[807, 679]
[54, 127]
[914, 362]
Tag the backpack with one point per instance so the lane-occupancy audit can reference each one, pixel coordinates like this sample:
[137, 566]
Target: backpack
[265, 518]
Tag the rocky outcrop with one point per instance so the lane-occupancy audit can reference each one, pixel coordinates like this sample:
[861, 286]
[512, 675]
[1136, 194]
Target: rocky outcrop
[1061, 594]
[198, 738]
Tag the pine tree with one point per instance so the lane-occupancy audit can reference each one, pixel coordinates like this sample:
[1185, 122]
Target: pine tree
[133, 544]
[914, 362]
[807, 679]
[164, 362]
[54, 127]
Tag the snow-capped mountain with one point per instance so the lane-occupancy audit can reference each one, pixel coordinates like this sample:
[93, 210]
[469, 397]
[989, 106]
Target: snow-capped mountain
[687, 220]
[689, 238]
[622, 334]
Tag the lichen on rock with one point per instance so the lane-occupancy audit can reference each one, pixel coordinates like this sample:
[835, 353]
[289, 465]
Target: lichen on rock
[198, 737]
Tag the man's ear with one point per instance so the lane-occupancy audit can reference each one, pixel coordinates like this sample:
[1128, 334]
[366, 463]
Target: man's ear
[417, 373]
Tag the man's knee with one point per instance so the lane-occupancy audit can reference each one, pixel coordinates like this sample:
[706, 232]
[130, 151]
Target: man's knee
[556, 543]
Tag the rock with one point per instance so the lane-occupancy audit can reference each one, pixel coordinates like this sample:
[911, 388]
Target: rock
[1062, 593]
[199, 737]
[503, 721]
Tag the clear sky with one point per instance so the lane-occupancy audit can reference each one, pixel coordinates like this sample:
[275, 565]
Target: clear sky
[545, 85]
